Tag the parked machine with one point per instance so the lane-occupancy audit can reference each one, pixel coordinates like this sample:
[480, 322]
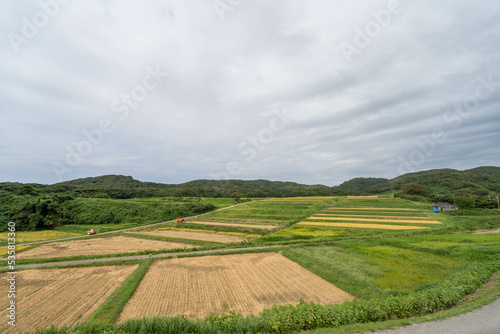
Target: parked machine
[92, 231]
[180, 220]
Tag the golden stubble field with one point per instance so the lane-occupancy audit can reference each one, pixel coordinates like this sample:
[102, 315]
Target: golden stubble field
[59, 296]
[111, 245]
[212, 223]
[201, 236]
[246, 283]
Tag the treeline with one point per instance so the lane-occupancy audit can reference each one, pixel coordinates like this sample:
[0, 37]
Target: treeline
[418, 193]
[125, 187]
[447, 183]
[37, 212]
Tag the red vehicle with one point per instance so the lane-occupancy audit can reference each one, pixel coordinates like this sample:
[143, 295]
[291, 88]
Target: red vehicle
[92, 231]
[180, 220]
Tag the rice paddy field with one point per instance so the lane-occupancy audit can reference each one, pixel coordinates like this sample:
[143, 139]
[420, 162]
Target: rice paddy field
[245, 283]
[327, 252]
[372, 213]
[200, 235]
[60, 296]
[98, 246]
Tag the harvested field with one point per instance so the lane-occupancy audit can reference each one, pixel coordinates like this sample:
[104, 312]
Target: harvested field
[60, 296]
[373, 226]
[352, 197]
[213, 237]
[409, 221]
[265, 227]
[246, 283]
[372, 208]
[111, 245]
[371, 217]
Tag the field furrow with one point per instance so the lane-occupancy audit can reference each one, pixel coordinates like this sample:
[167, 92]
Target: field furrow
[108, 245]
[201, 236]
[61, 296]
[409, 221]
[246, 283]
[372, 226]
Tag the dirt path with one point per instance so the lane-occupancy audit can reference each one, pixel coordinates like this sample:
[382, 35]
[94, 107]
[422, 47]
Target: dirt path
[136, 257]
[481, 321]
[488, 232]
[132, 228]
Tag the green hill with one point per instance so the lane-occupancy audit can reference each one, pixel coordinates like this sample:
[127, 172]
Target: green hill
[476, 181]
[124, 187]
[361, 184]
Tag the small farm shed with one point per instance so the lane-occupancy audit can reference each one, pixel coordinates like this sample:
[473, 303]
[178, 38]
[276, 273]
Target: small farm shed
[445, 207]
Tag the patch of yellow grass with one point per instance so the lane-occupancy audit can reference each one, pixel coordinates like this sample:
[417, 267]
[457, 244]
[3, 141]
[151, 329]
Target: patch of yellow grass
[370, 216]
[410, 221]
[34, 236]
[5, 250]
[372, 226]
[369, 208]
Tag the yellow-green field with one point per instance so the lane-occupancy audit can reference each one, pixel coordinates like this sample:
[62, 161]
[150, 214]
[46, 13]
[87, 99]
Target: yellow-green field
[381, 214]
[25, 237]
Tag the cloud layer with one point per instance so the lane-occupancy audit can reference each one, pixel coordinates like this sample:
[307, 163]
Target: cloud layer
[305, 91]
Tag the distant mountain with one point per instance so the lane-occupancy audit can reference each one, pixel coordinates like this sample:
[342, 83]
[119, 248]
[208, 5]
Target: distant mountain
[472, 181]
[120, 186]
[362, 184]
[115, 181]
[477, 181]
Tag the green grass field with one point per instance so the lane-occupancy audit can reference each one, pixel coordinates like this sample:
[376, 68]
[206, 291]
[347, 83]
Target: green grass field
[271, 211]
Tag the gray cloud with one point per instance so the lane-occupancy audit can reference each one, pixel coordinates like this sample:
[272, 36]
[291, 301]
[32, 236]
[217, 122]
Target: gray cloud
[215, 113]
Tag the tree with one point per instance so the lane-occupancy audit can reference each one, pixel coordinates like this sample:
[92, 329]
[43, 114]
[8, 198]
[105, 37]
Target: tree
[415, 189]
[464, 202]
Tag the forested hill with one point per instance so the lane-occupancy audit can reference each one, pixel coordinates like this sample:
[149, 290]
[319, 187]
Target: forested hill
[477, 181]
[481, 180]
[122, 187]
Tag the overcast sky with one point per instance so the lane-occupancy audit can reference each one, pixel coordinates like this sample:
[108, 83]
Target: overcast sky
[311, 91]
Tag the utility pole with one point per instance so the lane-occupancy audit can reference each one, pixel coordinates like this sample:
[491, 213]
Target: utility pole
[498, 202]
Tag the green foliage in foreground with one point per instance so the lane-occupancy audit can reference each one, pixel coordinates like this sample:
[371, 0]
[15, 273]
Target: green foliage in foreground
[113, 306]
[304, 316]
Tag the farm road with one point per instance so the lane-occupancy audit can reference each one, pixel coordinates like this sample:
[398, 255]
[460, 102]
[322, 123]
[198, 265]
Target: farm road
[137, 257]
[131, 228]
[484, 320]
